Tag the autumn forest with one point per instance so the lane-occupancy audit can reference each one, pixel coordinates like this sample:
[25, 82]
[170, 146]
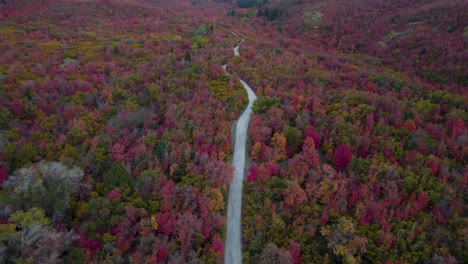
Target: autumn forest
[117, 128]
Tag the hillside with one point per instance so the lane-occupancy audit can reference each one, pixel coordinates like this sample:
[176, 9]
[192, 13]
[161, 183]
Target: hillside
[116, 122]
[122, 94]
[358, 149]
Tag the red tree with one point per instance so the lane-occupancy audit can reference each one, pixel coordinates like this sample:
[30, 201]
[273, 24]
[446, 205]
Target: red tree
[311, 133]
[3, 174]
[342, 157]
[253, 173]
[218, 246]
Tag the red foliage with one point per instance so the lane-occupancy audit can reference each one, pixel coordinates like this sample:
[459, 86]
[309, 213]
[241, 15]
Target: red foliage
[162, 252]
[333, 203]
[118, 152]
[128, 227]
[166, 194]
[353, 198]
[324, 217]
[342, 157]
[253, 173]
[88, 244]
[294, 249]
[458, 129]
[136, 256]
[294, 195]
[311, 133]
[17, 107]
[218, 245]
[310, 154]
[421, 202]
[166, 223]
[272, 168]
[259, 130]
[366, 218]
[135, 100]
[114, 194]
[3, 174]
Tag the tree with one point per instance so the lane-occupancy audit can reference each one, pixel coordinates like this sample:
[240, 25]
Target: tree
[342, 157]
[310, 154]
[3, 174]
[259, 130]
[47, 185]
[218, 245]
[279, 145]
[21, 156]
[344, 242]
[294, 249]
[271, 254]
[311, 133]
[127, 227]
[118, 177]
[252, 176]
[293, 139]
[294, 195]
[216, 198]
[275, 118]
[31, 238]
[34, 216]
[263, 104]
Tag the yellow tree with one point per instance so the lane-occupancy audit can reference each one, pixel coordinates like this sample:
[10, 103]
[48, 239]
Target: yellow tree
[279, 146]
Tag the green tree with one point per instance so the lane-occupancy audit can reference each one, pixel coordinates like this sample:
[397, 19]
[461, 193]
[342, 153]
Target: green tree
[118, 177]
[21, 156]
[293, 138]
[262, 104]
[34, 216]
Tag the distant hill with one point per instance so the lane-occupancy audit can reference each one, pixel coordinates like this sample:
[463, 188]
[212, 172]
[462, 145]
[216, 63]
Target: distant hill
[425, 38]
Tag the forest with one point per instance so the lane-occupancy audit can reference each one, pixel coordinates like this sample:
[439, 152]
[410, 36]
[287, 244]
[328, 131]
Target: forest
[116, 122]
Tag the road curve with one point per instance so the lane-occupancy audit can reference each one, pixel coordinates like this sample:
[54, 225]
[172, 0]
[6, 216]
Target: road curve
[233, 244]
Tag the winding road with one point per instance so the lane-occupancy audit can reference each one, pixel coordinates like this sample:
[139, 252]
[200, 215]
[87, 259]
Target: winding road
[233, 245]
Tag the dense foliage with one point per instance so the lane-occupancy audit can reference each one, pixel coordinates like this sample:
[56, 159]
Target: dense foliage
[121, 96]
[116, 118]
[358, 155]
